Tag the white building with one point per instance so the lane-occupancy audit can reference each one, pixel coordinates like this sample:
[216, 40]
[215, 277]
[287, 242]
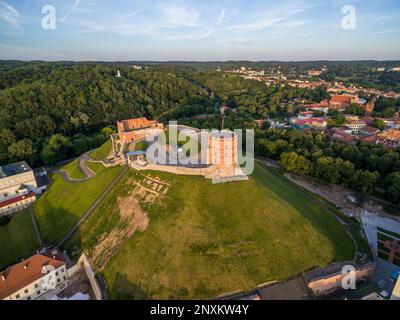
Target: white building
[356, 126]
[34, 278]
[18, 187]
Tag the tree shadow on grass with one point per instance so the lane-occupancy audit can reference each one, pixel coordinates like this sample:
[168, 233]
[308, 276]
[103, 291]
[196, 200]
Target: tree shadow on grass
[123, 289]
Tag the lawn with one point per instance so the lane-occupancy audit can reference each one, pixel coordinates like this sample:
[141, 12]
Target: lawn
[204, 240]
[102, 152]
[73, 170]
[141, 146]
[64, 203]
[17, 239]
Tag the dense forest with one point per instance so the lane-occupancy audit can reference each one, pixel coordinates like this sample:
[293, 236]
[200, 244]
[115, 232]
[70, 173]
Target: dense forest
[50, 112]
[53, 111]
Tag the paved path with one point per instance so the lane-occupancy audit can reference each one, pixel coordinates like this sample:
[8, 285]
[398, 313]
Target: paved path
[89, 173]
[35, 226]
[93, 207]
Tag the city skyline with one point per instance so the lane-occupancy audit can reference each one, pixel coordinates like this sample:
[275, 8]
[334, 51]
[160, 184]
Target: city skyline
[186, 30]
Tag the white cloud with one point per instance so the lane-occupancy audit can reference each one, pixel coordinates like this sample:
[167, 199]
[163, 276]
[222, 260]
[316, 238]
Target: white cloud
[130, 14]
[70, 11]
[193, 36]
[387, 31]
[179, 16]
[281, 18]
[220, 18]
[9, 14]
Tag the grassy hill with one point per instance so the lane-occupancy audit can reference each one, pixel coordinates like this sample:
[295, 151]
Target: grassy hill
[164, 236]
[64, 203]
[73, 170]
[17, 239]
[102, 152]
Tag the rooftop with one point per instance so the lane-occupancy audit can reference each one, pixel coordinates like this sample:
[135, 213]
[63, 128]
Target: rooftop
[28, 271]
[224, 134]
[14, 169]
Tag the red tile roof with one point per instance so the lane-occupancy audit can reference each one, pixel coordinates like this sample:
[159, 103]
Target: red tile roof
[26, 272]
[345, 98]
[16, 199]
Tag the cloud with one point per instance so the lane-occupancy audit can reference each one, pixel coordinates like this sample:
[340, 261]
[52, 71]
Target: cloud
[70, 11]
[131, 14]
[179, 16]
[387, 31]
[220, 18]
[277, 19]
[9, 14]
[193, 36]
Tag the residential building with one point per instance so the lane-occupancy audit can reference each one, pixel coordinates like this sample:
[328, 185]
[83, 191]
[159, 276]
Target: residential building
[392, 94]
[393, 123]
[314, 72]
[342, 101]
[343, 135]
[368, 130]
[350, 117]
[390, 138]
[356, 126]
[308, 123]
[326, 281]
[18, 187]
[35, 277]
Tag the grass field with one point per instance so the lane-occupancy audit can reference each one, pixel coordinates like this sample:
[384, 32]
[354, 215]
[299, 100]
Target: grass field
[203, 240]
[73, 170]
[64, 203]
[141, 146]
[17, 239]
[102, 152]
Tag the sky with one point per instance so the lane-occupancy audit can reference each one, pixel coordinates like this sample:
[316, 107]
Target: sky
[142, 30]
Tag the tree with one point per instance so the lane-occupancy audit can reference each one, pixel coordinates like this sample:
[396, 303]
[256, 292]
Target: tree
[393, 186]
[107, 131]
[7, 138]
[326, 169]
[355, 109]
[378, 123]
[364, 181]
[293, 162]
[57, 149]
[21, 150]
[337, 121]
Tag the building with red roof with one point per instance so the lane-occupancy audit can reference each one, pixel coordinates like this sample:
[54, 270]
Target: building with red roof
[342, 101]
[32, 278]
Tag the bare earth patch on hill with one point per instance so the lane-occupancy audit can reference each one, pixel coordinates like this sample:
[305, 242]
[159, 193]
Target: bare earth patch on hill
[132, 217]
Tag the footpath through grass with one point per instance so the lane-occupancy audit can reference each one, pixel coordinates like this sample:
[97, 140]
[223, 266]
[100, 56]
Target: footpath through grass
[73, 170]
[102, 152]
[64, 203]
[17, 239]
[204, 239]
